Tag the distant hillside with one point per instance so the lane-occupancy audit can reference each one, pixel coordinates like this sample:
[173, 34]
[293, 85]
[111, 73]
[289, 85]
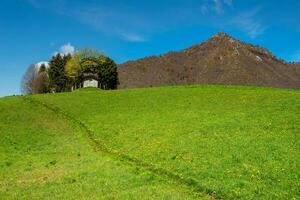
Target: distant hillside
[297, 67]
[220, 60]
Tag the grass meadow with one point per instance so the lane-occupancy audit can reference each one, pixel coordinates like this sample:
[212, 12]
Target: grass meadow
[186, 142]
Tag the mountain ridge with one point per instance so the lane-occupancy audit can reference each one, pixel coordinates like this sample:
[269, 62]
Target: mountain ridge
[221, 59]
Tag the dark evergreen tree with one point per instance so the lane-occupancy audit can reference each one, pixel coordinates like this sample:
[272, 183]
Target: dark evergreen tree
[108, 74]
[58, 81]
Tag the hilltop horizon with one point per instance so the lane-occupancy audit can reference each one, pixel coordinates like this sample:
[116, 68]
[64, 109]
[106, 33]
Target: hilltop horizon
[221, 34]
[32, 31]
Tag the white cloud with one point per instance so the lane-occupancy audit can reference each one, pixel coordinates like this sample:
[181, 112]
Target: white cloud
[65, 49]
[248, 22]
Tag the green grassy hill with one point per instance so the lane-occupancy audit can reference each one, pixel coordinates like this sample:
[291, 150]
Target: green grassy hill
[194, 142]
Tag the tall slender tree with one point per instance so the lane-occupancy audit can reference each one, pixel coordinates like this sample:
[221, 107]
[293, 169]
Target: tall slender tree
[57, 77]
[108, 73]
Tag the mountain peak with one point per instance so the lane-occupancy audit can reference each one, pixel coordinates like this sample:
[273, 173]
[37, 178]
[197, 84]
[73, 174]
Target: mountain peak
[223, 38]
[222, 35]
[221, 59]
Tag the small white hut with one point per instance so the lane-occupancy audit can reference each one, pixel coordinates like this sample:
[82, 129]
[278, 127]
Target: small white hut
[90, 83]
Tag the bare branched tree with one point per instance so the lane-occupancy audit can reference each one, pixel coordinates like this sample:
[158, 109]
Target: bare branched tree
[40, 83]
[27, 78]
[35, 80]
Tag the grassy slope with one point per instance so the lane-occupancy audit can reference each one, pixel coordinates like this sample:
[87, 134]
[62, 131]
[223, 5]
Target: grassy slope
[240, 142]
[44, 156]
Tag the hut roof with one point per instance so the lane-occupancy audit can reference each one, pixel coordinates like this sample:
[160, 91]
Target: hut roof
[90, 75]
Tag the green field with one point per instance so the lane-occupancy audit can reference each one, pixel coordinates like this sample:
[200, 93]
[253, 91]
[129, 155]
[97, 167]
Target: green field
[188, 142]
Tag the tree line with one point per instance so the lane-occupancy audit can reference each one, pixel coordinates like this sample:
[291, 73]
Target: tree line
[67, 72]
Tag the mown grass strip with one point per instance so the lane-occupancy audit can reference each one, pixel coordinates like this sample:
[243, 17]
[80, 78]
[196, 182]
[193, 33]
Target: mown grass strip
[191, 183]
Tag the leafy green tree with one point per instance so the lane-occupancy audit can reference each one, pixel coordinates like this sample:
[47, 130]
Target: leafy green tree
[58, 81]
[74, 65]
[87, 61]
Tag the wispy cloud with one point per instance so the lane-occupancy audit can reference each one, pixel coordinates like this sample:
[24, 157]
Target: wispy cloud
[34, 3]
[132, 37]
[215, 6]
[249, 23]
[218, 6]
[129, 22]
[121, 22]
[204, 9]
[228, 2]
[67, 49]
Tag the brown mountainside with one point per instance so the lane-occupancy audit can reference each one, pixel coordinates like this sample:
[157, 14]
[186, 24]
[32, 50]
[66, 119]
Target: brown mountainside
[220, 60]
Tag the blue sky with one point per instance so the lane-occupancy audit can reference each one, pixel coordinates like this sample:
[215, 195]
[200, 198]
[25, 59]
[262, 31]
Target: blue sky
[33, 30]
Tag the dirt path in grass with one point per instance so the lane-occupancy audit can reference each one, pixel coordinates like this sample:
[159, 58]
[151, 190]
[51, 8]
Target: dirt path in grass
[171, 177]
